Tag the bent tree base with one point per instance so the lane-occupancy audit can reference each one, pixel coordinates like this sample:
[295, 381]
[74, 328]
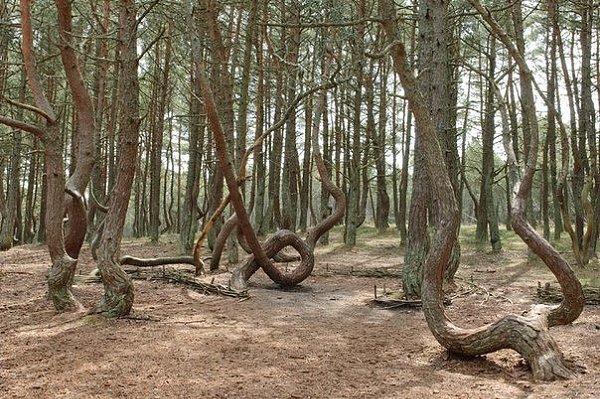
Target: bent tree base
[528, 335]
[59, 284]
[280, 240]
[118, 288]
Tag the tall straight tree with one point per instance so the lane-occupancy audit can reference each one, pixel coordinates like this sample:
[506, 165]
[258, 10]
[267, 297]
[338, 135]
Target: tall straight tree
[291, 165]
[353, 146]
[118, 288]
[437, 82]
[552, 82]
[487, 219]
[162, 65]
[13, 179]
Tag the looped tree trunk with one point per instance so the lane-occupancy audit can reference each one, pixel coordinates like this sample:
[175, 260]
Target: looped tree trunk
[243, 273]
[76, 223]
[277, 242]
[226, 230]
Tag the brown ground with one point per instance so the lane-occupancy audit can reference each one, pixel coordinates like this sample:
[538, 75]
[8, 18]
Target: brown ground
[319, 340]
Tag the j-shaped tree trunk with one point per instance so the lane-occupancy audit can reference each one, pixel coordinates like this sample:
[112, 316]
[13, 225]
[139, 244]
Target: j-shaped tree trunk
[284, 238]
[84, 157]
[260, 258]
[63, 250]
[528, 334]
[118, 288]
[437, 85]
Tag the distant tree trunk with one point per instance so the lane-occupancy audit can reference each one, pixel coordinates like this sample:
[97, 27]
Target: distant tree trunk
[325, 208]
[379, 149]
[118, 288]
[370, 151]
[551, 135]
[275, 155]
[13, 179]
[403, 185]
[291, 164]
[3, 210]
[29, 226]
[394, 142]
[161, 87]
[588, 133]
[260, 172]
[304, 193]
[168, 196]
[406, 143]
[354, 147]
[190, 210]
[487, 215]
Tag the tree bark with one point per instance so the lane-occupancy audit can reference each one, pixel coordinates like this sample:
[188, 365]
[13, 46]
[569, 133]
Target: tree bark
[118, 288]
[436, 85]
[354, 147]
[487, 219]
[528, 335]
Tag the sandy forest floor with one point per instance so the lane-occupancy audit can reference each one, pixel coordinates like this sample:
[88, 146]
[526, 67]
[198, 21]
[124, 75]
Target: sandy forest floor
[319, 340]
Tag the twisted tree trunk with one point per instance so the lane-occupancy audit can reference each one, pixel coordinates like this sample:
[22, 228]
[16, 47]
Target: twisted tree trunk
[528, 334]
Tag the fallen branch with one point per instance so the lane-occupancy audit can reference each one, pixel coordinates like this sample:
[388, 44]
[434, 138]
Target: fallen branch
[174, 277]
[551, 292]
[379, 272]
[150, 262]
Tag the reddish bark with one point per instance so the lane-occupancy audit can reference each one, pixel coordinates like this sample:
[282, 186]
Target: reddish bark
[528, 335]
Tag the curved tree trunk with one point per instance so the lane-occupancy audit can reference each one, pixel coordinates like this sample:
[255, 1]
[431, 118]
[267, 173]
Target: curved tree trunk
[436, 83]
[285, 238]
[189, 209]
[526, 334]
[84, 159]
[63, 266]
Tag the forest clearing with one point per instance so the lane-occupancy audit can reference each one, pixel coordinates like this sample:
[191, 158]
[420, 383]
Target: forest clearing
[377, 198]
[321, 339]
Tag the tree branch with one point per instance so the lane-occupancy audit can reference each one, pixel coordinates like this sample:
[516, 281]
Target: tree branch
[28, 107]
[29, 61]
[38, 132]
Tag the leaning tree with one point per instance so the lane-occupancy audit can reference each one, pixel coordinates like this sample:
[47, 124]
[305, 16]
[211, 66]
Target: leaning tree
[263, 253]
[528, 333]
